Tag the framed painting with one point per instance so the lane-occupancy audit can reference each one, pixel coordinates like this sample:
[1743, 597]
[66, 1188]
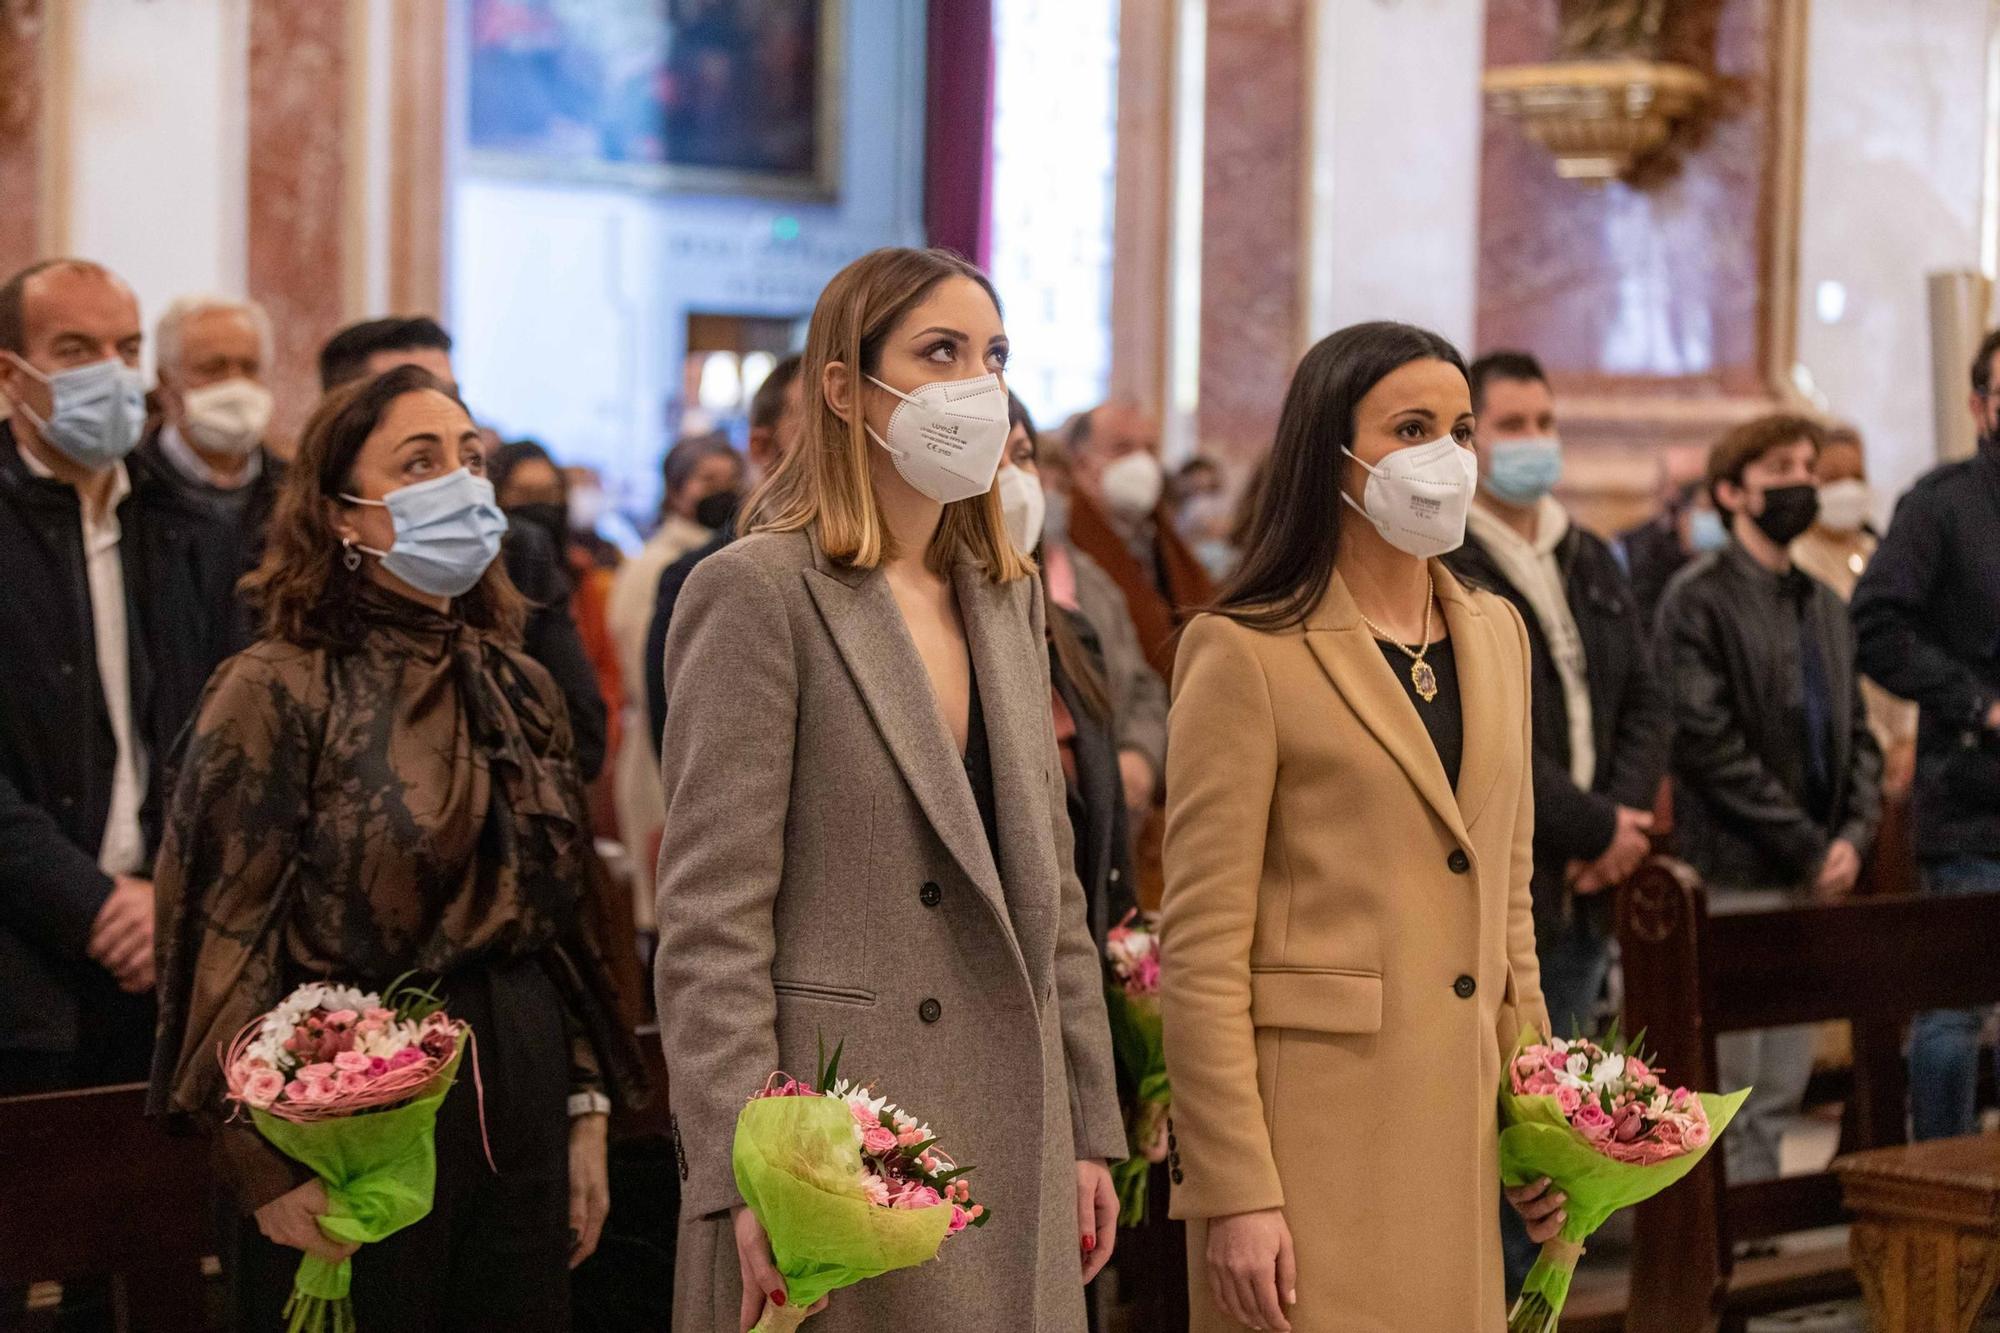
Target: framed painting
[730, 97]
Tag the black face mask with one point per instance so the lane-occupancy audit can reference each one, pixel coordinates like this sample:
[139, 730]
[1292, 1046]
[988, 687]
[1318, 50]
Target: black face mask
[1788, 511]
[716, 511]
[550, 517]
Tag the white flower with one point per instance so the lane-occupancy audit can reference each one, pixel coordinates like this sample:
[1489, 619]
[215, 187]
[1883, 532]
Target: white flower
[1609, 1070]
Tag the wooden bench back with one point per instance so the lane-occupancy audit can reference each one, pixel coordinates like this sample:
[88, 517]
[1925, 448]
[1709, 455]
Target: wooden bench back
[1690, 977]
[89, 1186]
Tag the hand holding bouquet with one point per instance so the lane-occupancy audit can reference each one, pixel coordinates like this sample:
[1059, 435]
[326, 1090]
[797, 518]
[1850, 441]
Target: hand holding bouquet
[1599, 1123]
[1133, 1002]
[348, 1084]
[846, 1186]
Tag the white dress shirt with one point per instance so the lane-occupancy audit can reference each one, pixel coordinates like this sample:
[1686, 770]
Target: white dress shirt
[123, 850]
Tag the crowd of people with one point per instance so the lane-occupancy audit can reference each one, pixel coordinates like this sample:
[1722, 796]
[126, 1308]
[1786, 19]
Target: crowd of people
[879, 716]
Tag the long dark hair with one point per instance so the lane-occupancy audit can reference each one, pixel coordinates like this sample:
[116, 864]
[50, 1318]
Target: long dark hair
[1296, 531]
[303, 589]
[1072, 657]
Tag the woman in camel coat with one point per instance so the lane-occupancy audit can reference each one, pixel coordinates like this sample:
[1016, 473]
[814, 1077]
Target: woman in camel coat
[1349, 948]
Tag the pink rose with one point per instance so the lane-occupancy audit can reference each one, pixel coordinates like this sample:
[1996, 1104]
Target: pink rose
[1591, 1121]
[1540, 1084]
[863, 1117]
[919, 1196]
[318, 1073]
[297, 1091]
[878, 1141]
[353, 1081]
[877, 1190]
[263, 1087]
[351, 1062]
[959, 1220]
[343, 1018]
[406, 1057]
[1628, 1124]
[377, 1066]
[1568, 1100]
[1635, 1069]
[381, 1015]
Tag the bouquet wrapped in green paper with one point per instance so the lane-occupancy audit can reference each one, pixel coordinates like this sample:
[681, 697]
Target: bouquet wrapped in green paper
[348, 1084]
[846, 1185]
[1598, 1123]
[1132, 1000]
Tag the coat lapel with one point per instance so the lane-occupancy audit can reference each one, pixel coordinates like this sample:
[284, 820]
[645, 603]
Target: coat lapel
[1482, 693]
[1014, 692]
[861, 614]
[1348, 655]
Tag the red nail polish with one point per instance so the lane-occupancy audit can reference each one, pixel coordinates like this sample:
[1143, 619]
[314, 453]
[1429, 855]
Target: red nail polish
[778, 1298]
[1090, 1244]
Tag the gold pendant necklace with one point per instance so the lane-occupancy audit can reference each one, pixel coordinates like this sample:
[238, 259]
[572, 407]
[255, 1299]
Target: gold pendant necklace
[1421, 673]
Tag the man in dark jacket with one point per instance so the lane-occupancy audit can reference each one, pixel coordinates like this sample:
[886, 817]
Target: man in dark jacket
[117, 608]
[1600, 718]
[212, 355]
[533, 560]
[1928, 614]
[1599, 713]
[1776, 773]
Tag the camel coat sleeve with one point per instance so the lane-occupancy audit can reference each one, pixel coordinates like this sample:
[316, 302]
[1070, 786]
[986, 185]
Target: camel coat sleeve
[727, 770]
[1222, 759]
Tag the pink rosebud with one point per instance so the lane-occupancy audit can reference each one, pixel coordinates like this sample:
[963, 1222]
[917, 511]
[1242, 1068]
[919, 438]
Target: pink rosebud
[1591, 1121]
[381, 1015]
[920, 1196]
[1635, 1069]
[1628, 1123]
[351, 1062]
[263, 1087]
[377, 1066]
[406, 1057]
[909, 1138]
[977, 1211]
[878, 1141]
[1569, 1100]
[343, 1018]
[959, 1220]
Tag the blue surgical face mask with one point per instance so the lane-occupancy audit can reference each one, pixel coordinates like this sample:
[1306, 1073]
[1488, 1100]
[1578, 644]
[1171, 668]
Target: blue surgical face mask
[1522, 471]
[448, 530]
[1707, 532]
[98, 411]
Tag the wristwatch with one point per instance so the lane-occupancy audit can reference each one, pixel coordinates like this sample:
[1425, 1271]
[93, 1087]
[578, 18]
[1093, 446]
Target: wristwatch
[588, 1103]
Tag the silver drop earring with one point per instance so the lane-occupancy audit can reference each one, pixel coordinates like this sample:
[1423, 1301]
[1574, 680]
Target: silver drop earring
[349, 556]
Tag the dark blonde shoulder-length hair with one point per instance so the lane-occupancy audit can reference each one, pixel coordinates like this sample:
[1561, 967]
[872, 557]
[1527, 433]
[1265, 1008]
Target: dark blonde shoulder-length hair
[823, 482]
[303, 589]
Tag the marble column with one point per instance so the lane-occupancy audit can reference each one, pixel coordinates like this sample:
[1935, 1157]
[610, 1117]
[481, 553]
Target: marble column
[298, 108]
[1253, 227]
[1662, 311]
[22, 101]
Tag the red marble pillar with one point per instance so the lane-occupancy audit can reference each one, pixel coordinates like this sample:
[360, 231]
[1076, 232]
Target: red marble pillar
[298, 124]
[1253, 227]
[22, 98]
[1661, 312]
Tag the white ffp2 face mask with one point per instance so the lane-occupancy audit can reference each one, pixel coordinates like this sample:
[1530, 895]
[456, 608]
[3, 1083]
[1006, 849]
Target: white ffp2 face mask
[228, 417]
[947, 437]
[1133, 485]
[1023, 505]
[1417, 497]
[1845, 505]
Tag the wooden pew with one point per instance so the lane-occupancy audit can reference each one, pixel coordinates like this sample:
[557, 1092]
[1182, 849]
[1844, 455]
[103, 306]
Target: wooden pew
[89, 1187]
[1690, 977]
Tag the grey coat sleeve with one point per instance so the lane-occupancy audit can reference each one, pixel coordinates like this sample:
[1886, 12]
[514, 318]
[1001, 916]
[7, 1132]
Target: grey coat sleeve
[726, 765]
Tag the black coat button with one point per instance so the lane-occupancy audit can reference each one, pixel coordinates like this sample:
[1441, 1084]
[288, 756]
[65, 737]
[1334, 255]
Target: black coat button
[1458, 862]
[930, 1011]
[1464, 987]
[930, 895]
[1178, 1177]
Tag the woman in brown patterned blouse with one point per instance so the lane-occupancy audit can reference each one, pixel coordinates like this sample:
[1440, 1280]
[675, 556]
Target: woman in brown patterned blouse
[383, 783]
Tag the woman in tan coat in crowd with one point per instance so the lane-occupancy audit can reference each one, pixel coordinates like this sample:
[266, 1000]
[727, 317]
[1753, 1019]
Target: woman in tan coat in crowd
[1349, 947]
[867, 838]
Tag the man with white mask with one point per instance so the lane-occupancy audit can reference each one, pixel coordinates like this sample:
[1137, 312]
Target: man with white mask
[1599, 712]
[213, 354]
[1836, 550]
[118, 607]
